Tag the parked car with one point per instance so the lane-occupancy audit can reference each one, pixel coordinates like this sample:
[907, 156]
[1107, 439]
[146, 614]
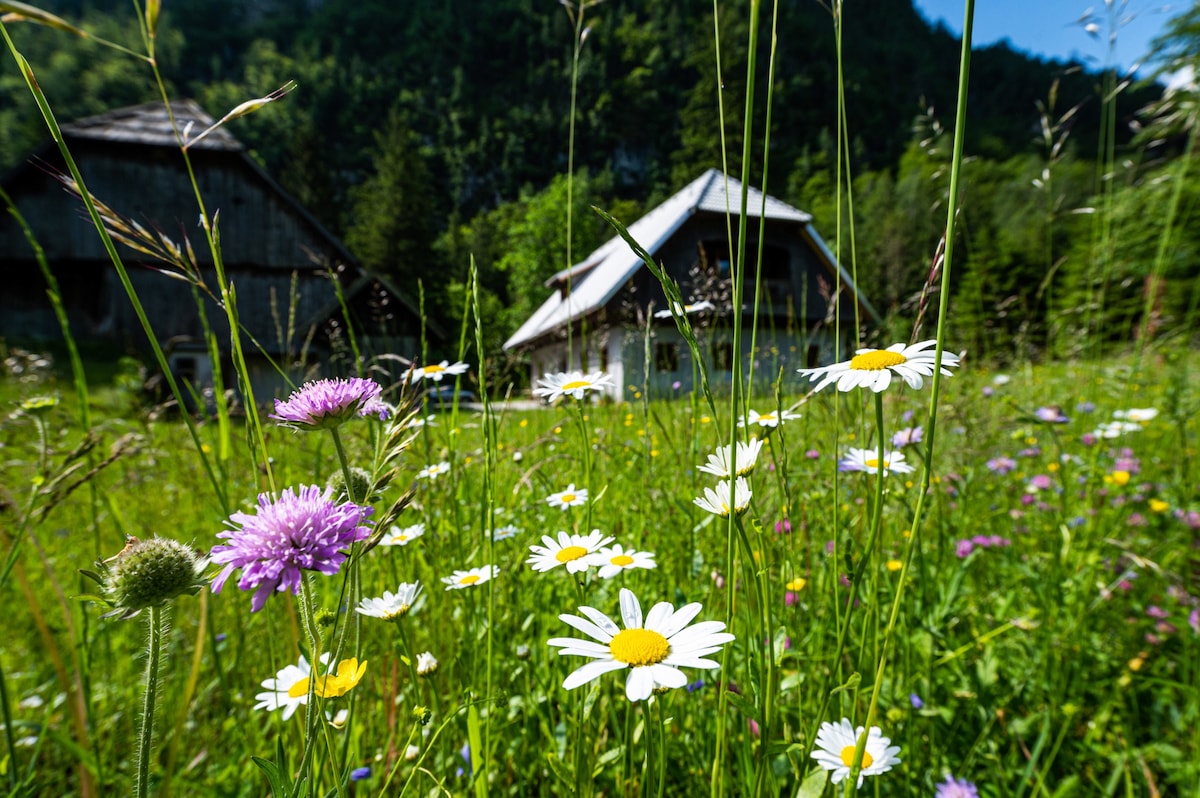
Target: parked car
[443, 396]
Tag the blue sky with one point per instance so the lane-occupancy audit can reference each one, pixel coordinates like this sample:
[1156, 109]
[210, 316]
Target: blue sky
[1049, 28]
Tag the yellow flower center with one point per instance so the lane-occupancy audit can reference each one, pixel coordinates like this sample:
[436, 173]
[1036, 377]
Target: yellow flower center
[848, 757]
[567, 498]
[470, 579]
[876, 360]
[298, 689]
[570, 553]
[434, 369]
[874, 463]
[638, 647]
[622, 560]
[575, 385]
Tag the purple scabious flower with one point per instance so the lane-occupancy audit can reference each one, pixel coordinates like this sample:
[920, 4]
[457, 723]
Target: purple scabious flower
[358, 774]
[956, 788]
[302, 530]
[327, 403]
[1051, 415]
[909, 436]
[1001, 465]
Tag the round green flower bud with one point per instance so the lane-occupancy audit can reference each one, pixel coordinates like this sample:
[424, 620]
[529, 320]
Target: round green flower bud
[360, 486]
[149, 573]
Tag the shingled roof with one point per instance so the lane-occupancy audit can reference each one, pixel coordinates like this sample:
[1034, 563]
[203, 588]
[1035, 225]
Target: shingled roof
[150, 124]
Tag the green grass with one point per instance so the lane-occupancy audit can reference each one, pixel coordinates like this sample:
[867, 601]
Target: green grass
[1041, 666]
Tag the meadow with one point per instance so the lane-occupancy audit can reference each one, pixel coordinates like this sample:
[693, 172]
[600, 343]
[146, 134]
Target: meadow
[1044, 640]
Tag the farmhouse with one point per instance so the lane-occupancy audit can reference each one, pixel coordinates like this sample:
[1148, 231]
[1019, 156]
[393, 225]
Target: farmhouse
[617, 318]
[285, 267]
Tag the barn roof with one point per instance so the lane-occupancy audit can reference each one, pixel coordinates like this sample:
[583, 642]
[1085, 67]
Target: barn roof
[597, 278]
[151, 124]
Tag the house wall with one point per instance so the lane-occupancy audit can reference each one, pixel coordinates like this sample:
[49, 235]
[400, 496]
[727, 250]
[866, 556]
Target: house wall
[774, 354]
[604, 352]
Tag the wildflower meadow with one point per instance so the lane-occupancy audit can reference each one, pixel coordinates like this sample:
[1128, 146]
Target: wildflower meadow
[908, 570]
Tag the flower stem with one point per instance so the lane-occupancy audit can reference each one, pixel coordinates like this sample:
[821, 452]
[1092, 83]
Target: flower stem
[146, 732]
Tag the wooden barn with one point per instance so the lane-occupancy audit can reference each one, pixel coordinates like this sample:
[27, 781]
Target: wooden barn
[608, 299]
[281, 261]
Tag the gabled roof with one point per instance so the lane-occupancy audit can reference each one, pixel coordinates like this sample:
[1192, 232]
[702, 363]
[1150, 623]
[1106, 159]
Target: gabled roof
[150, 124]
[597, 278]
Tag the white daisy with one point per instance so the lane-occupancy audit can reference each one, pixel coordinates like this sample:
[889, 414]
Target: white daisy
[433, 471]
[868, 460]
[1115, 429]
[436, 371]
[615, 559]
[717, 501]
[684, 310]
[747, 456]
[289, 689]
[571, 383]
[1136, 414]
[392, 606]
[836, 743]
[505, 532]
[402, 537]
[569, 550]
[873, 368]
[653, 649]
[426, 663]
[568, 498]
[768, 420]
[470, 578]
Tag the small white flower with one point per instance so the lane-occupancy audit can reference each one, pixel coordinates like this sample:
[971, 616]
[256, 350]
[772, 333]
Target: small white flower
[402, 537]
[470, 578]
[615, 559]
[436, 371]
[505, 532]
[653, 649]
[568, 498]
[570, 550]
[289, 689]
[1136, 414]
[868, 460]
[717, 501]
[747, 456]
[432, 472]
[768, 420]
[873, 368]
[1115, 429]
[837, 742]
[572, 383]
[411, 753]
[426, 663]
[392, 606]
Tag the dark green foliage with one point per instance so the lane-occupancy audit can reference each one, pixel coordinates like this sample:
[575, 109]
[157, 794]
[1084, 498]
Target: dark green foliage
[419, 123]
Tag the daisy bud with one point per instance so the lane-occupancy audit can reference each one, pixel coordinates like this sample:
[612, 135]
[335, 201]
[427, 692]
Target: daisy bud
[426, 663]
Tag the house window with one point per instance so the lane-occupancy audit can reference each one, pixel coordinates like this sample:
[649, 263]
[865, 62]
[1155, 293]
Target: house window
[666, 357]
[723, 355]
